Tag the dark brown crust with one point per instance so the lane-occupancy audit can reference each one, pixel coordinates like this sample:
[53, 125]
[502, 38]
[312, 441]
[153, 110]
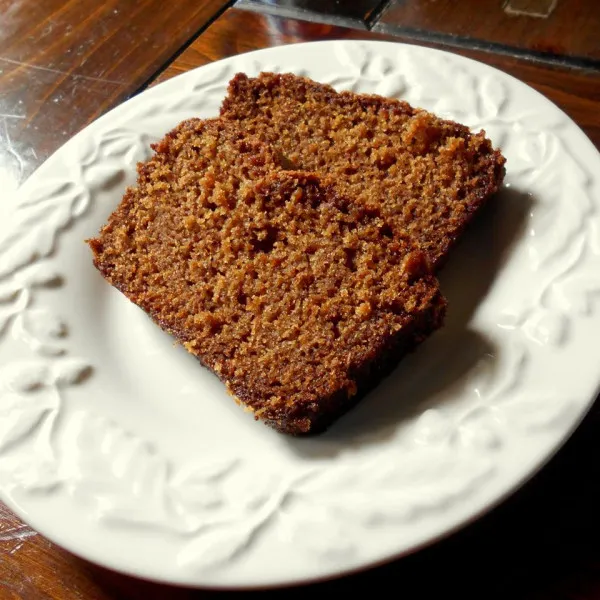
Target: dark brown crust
[306, 122]
[304, 421]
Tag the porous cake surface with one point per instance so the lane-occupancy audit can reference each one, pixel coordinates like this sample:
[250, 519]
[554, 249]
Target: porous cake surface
[298, 298]
[430, 176]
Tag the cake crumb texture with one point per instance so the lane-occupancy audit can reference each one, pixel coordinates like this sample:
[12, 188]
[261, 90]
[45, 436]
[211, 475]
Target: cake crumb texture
[429, 176]
[299, 298]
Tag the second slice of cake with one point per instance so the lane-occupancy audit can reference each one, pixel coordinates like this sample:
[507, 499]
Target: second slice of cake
[429, 176]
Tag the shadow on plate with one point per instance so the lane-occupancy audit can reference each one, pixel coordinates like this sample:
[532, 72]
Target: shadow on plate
[440, 368]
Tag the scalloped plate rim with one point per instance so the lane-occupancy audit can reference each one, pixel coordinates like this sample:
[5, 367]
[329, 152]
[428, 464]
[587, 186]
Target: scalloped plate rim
[271, 581]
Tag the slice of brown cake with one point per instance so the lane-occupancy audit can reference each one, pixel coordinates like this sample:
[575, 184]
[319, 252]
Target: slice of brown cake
[429, 176]
[298, 299]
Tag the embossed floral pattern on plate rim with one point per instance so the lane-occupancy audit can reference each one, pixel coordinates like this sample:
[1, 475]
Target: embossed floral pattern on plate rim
[120, 461]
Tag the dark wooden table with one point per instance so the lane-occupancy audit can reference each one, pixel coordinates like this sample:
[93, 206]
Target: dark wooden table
[65, 62]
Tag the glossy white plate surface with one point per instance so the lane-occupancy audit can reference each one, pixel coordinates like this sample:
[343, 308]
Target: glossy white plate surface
[118, 446]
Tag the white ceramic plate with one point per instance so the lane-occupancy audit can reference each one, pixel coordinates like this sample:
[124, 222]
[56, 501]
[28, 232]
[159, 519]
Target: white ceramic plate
[120, 447]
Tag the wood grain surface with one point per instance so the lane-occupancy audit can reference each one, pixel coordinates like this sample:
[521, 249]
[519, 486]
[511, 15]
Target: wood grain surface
[358, 13]
[557, 28]
[65, 62]
[542, 543]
